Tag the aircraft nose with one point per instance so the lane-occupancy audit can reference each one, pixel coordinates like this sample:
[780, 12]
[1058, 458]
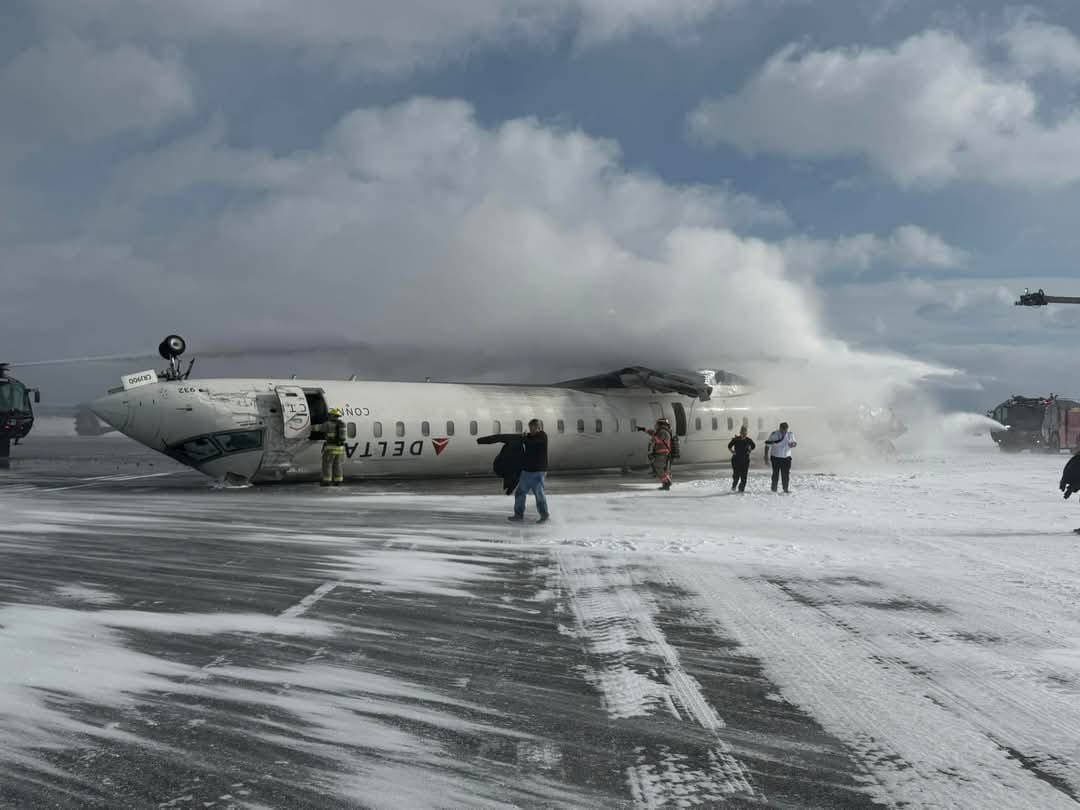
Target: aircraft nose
[113, 410]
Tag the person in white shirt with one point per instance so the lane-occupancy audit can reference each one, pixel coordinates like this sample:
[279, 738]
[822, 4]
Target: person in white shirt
[778, 449]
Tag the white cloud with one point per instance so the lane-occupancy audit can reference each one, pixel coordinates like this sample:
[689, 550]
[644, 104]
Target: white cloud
[978, 298]
[912, 246]
[201, 158]
[66, 89]
[928, 111]
[385, 36]
[886, 9]
[908, 247]
[1036, 47]
[604, 20]
[436, 148]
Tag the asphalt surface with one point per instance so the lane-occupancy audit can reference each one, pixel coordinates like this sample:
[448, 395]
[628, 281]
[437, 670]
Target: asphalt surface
[180, 645]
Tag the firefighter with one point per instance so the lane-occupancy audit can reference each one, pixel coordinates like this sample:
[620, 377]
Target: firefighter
[661, 444]
[333, 449]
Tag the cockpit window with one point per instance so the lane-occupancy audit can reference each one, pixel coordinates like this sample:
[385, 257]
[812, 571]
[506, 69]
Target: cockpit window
[239, 441]
[199, 450]
[204, 448]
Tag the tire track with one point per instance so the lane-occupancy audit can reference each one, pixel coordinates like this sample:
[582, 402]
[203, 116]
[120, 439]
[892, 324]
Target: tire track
[919, 750]
[637, 672]
[1008, 699]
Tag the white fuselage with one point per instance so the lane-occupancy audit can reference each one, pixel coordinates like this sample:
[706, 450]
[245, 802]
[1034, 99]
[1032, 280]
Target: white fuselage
[260, 430]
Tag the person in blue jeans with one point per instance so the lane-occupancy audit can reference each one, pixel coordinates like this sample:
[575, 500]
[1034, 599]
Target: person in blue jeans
[533, 469]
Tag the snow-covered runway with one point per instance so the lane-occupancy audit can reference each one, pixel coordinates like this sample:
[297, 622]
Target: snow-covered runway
[907, 635]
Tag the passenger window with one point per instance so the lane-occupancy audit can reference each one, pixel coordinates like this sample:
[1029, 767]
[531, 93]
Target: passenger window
[399, 428]
[697, 423]
[496, 426]
[580, 425]
[473, 428]
[716, 423]
[616, 425]
[425, 428]
[350, 430]
[633, 424]
[450, 428]
[560, 426]
[599, 425]
[376, 429]
[518, 427]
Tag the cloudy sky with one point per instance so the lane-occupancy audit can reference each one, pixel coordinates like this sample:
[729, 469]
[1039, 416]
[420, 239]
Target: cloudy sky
[545, 184]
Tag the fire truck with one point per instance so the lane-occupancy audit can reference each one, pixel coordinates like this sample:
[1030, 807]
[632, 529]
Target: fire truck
[16, 413]
[1050, 423]
[1037, 423]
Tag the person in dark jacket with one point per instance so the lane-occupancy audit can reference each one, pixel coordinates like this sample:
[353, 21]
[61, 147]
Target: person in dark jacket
[1070, 478]
[741, 447]
[507, 464]
[534, 464]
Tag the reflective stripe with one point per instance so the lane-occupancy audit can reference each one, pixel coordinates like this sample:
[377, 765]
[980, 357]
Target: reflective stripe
[661, 442]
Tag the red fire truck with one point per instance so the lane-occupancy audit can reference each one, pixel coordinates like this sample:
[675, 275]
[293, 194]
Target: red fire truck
[1037, 423]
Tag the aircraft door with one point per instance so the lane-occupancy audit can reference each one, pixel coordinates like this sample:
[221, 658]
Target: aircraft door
[680, 418]
[295, 413]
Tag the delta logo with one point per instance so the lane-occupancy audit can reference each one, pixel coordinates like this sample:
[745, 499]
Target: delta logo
[440, 445]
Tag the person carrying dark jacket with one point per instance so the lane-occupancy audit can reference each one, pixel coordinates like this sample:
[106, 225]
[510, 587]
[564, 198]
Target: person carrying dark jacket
[534, 466]
[508, 462]
[741, 447]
